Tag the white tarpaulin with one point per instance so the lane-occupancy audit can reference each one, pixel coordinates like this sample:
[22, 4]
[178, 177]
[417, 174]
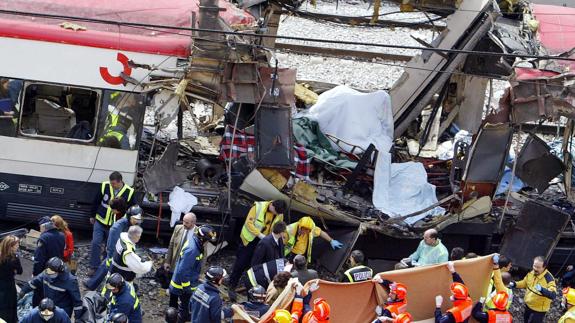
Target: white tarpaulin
[362, 119]
[180, 202]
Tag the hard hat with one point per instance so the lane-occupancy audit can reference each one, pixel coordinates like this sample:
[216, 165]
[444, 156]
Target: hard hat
[135, 211]
[321, 309]
[459, 291]
[206, 233]
[569, 294]
[306, 222]
[500, 300]
[46, 308]
[403, 318]
[257, 294]
[282, 316]
[399, 289]
[56, 265]
[119, 318]
[215, 274]
[115, 281]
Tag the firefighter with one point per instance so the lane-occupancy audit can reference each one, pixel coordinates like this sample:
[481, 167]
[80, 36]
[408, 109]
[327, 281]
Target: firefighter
[59, 285]
[569, 302]
[51, 243]
[206, 303]
[125, 260]
[282, 316]
[301, 235]
[187, 272]
[124, 299]
[462, 303]
[319, 313]
[401, 318]
[258, 224]
[396, 301]
[358, 271]
[46, 312]
[104, 217]
[497, 314]
[256, 305]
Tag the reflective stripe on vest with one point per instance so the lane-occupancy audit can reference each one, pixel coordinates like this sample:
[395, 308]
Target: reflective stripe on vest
[499, 317]
[261, 209]
[109, 219]
[132, 293]
[362, 273]
[292, 231]
[462, 310]
[397, 308]
[119, 259]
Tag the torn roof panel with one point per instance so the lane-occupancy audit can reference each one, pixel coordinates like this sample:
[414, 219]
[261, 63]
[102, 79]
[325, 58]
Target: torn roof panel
[556, 30]
[525, 73]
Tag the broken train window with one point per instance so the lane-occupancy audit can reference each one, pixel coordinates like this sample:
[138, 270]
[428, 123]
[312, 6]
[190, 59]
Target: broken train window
[121, 119]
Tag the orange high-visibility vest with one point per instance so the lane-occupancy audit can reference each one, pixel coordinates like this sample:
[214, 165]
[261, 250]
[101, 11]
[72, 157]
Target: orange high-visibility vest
[461, 310]
[499, 316]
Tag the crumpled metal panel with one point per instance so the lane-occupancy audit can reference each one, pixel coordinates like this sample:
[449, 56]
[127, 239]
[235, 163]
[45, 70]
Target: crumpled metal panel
[164, 174]
[248, 83]
[333, 260]
[274, 140]
[536, 165]
[536, 233]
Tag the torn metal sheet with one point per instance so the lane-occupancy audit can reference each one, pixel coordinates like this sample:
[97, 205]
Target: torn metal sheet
[536, 233]
[164, 174]
[487, 161]
[274, 138]
[333, 260]
[536, 165]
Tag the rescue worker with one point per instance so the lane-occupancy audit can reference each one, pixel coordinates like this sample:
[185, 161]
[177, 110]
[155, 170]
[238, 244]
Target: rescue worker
[51, 243]
[569, 302]
[206, 303]
[396, 298]
[540, 291]
[104, 217]
[182, 233]
[187, 272]
[255, 306]
[281, 316]
[401, 318]
[59, 285]
[123, 299]
[118, 121]
[119, 318]
[134, 214]
[301, 235]
[125, 260]
[258, 224]
[462, 303]
[358, 271]
[319, 314]
[46, 312]
[429, 252]
[500, 279]
[264, 273]
[497, 314]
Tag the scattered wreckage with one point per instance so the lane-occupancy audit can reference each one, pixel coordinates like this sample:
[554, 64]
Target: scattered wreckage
[361, 163]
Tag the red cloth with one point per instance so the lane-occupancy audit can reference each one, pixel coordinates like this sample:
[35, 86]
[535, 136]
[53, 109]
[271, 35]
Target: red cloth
[69, 248]
[245, 145]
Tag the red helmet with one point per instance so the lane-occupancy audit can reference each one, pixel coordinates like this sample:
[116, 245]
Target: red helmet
[459, 291]
[500, 300]
[403, 318]
[399, 289]
[321, 309]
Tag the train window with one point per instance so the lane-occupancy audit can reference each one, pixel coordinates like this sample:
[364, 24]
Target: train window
[121, 119]
[9, 96]
[55, 111]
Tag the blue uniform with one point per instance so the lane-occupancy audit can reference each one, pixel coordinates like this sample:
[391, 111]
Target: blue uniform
[50, 244]
[35, 317]
[127, 302]
[187, 272]
[255, 309]
[118, 227]
[206, 304]
[63, 290]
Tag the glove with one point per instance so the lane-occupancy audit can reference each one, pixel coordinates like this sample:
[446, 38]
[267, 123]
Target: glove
[377, 279]
[482, 300]
[438, 301]
[299, 289]
[335, 244]
[496, 259]
[538, 287]
[512, 284]
[313, 286]
[451, 266]
[379, 310]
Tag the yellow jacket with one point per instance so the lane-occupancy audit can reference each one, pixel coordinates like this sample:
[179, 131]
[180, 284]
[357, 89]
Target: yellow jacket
[569, 316]
[535, 300]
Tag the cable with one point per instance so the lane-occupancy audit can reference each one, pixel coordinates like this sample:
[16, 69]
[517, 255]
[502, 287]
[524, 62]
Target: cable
[328, 41]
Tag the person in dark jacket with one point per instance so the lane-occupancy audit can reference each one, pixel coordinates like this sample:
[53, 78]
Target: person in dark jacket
[46, 312]
[59, 285]
[256, 306]
[51, 243]
[9, 266]
[124, 299]
[358, 271]
[301, 271]
[271, 247]
[187, 273]
[206, 303]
